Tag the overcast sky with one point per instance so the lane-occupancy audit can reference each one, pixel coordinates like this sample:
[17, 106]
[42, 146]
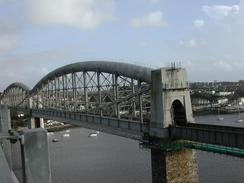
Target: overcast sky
[37, 36]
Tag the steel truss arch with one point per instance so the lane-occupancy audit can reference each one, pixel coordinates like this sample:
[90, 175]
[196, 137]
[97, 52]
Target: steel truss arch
[104, 88]
[101, 88]
[15, 94]
[17, 85]
[128, 70]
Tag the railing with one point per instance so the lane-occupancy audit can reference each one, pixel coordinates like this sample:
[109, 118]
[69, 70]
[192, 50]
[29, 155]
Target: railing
[27, 155]
[5, 172]
[11, 149]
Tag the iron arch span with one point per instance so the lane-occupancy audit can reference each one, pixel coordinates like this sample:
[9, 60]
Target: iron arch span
[101, 88]
[15, 94]
[124, 69]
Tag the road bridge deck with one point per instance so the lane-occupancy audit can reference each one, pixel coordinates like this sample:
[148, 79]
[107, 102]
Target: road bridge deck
[121, 127]
[210, 134]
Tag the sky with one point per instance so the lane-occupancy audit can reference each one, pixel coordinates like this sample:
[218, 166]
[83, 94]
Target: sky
[38, 36]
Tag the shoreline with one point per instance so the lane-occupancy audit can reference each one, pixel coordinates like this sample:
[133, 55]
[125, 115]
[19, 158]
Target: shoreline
[59, 128]
[215, 112]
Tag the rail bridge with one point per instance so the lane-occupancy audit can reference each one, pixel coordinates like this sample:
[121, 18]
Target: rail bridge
[132, 101]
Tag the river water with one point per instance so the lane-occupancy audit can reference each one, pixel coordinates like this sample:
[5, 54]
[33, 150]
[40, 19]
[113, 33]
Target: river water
[111, 159]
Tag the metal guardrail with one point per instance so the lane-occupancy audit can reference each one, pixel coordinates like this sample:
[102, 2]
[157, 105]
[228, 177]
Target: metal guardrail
[29, 159]
[5, 136]
[10, 135]
[5, 172]
[12, 154]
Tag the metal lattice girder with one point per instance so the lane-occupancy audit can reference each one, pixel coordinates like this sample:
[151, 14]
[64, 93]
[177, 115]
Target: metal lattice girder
[15, 94]
[100, 88]
[123, 69]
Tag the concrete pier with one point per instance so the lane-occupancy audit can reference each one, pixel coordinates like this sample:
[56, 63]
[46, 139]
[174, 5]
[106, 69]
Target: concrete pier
[36, 122]
[174, 167]
[182, 166]
[158, 165]
[171, 106]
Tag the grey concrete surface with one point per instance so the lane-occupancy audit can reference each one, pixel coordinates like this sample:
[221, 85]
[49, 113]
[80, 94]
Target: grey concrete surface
[36, 156]
[5, 173]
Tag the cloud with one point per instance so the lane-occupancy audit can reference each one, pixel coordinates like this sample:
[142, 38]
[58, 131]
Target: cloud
[222, 65]
[8, 35]
[7, 43]
[219, 48]
[199, 23]
[155, 1]
[153, 19]
[189, 43]
[144, 44]
[84, 14]
[33, 66]
[220, 11]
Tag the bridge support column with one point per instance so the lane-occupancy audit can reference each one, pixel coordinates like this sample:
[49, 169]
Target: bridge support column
[171, 103]
[182, 166]
[36, 122]
[158, 165]
[172, 167]
[170, 106]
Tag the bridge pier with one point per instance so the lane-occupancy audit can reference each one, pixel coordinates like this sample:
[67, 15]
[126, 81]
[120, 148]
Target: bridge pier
[36, 122]
[172, 167]
[170, 106]
[182, 166]
[158, 166]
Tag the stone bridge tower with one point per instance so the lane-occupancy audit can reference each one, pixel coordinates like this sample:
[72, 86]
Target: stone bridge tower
[35, 122]
[171, 105]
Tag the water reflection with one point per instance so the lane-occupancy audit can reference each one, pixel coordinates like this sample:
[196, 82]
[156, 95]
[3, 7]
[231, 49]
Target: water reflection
[109, 159]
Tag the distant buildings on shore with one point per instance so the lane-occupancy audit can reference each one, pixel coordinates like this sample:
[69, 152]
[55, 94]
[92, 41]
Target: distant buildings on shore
[228, 96]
